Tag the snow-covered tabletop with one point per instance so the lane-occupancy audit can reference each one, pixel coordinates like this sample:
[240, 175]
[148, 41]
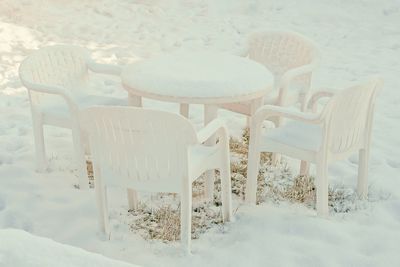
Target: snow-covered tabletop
[198, 78]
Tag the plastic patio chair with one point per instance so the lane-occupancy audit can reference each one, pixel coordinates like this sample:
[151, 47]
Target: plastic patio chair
[154, 151]
[343, 127]
[291, 58]
[57, 81]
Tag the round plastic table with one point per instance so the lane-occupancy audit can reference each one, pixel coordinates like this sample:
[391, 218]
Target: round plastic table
[211, 79]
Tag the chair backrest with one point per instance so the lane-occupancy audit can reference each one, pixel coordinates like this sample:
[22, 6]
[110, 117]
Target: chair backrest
[281, 51]
[349, 116]
[139, 144]
[57, 65]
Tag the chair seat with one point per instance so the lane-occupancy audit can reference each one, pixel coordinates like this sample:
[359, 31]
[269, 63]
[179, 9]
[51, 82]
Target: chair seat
[55, 106]
[300, 135]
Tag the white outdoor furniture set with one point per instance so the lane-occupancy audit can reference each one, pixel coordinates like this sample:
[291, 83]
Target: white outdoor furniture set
[155, 151]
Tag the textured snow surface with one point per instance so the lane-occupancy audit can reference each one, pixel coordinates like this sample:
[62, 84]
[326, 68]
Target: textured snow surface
[357, 38]
[21, 249]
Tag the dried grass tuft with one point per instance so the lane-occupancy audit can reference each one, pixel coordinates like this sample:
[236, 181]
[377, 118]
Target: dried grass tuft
[163, 223]
[302, 190]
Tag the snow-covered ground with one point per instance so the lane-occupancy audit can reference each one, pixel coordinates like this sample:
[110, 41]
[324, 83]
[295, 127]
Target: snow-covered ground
[18, 248]
[357, 38]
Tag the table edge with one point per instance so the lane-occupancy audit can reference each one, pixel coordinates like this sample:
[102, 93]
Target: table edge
[200, 100]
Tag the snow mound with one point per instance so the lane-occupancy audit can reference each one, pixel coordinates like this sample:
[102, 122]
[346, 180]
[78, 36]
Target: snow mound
[19, 248]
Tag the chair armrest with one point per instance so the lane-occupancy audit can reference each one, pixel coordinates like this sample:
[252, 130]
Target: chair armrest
[321, 93]
[52, 90]
[104, 68]
[268, 111]
[47, 89]
[291, 74]
[210, 129]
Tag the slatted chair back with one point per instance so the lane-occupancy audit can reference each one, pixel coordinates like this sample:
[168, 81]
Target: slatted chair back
[349, 117]
[141, 145]
[63, 66]
[281, 51]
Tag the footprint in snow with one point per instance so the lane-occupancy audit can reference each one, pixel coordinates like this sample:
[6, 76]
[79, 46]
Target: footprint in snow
[2, 203]
[12, 219]
[393, 163]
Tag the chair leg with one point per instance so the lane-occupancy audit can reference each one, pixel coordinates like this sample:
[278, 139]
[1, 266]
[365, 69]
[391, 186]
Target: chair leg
[304, 168]
[304, 165]
[132, 199]
[248, 121]
[226, 188]
[80, 158]
[276, 157]
[252, 168]
[322, 190]
[252, 174]
[305, 101]
[184, 110]
[41, 161]
[101, 201]
[186, 217]
[210, 113]
[362, 182]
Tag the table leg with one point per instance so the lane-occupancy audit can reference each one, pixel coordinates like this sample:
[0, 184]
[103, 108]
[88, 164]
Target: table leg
[132, 199]
[210, 113]
[255, 104]
[184, 110]
[134, 100]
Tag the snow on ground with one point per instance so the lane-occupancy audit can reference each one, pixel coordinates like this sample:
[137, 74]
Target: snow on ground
[19, 249]
[356, 38]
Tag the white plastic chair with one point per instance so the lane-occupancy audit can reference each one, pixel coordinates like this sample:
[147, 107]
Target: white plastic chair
[154, 151]
[343, 127]
[291, 58]
[57, 81]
